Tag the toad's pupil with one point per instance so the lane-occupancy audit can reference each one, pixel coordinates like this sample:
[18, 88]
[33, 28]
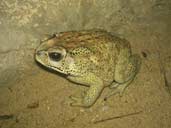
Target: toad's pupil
[55, 56]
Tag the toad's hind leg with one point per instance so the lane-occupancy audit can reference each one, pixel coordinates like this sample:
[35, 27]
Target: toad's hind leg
[126, 69]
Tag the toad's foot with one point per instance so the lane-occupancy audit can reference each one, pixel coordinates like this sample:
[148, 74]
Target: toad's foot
[76, 101]
[118, 88]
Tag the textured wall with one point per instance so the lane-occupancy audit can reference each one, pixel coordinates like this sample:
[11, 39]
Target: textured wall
[24, 23]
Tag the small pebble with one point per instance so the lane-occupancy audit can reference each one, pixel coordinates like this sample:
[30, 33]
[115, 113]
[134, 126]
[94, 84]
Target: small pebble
[33, 105]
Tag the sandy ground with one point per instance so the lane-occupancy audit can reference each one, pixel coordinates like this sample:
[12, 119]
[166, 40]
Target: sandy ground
[40, 98]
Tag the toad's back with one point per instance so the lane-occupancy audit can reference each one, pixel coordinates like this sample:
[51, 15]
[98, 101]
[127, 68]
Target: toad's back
[105, 49]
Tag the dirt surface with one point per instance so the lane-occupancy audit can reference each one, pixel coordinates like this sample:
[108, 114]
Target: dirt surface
[41, 100]
[34, 97]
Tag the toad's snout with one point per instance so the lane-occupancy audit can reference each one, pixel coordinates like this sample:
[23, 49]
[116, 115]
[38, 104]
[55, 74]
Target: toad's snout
[41, 56]
[40, 53]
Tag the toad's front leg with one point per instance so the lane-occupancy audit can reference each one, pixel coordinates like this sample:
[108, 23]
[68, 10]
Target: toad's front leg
[96, 87]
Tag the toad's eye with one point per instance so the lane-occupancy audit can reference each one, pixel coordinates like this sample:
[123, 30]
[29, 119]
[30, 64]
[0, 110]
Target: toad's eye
[55, 56]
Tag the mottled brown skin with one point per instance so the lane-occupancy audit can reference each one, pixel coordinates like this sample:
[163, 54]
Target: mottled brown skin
[94, 58]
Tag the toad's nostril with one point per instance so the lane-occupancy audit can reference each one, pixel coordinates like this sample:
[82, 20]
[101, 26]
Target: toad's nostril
[39, 53]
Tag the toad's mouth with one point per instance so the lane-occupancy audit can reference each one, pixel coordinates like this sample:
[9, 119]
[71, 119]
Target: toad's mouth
[58, 69]
[65, 72]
